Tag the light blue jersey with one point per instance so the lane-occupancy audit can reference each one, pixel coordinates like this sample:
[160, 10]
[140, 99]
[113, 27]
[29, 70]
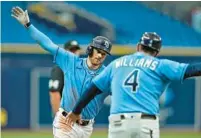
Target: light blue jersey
[77, 76]
[76, 70]
[137, 82]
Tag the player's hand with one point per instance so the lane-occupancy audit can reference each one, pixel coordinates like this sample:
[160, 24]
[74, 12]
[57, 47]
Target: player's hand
[72, 118]
[20, 15]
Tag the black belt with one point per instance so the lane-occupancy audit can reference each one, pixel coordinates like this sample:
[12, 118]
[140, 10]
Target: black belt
[143, 116]
[83, 122]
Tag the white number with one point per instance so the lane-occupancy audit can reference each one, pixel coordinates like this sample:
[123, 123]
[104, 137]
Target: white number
[54, 84]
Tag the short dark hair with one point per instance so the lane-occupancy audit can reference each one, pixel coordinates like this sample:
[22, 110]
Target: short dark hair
[148, 49]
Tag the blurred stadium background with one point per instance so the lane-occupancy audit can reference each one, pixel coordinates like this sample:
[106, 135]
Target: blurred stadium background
[25, 67]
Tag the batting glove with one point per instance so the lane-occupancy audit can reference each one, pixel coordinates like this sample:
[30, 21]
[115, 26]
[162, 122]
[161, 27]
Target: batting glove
[21, 16]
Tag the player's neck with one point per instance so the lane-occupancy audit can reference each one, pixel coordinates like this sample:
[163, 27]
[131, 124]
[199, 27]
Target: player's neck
[146, 53]
[92, 66]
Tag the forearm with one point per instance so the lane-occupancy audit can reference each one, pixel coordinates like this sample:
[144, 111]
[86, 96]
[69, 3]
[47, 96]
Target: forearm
[86, 98]
[193, 70]
[55, 99]
[42, 40]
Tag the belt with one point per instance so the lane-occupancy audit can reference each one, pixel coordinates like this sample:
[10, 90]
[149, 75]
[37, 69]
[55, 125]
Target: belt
[143, 116]
[83, 122]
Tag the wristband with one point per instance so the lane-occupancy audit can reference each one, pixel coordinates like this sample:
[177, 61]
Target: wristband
[27, 25]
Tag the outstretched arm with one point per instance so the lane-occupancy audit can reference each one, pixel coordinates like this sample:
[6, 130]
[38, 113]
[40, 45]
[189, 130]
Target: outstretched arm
[41, 39]
[62, 57]
[193, 70]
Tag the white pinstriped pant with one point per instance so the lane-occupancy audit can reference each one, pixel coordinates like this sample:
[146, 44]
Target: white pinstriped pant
[133, 126]
[63, 130]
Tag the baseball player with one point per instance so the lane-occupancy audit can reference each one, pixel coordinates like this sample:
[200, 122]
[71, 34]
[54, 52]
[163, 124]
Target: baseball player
[56, 81]
[137, 82]
[79, 71]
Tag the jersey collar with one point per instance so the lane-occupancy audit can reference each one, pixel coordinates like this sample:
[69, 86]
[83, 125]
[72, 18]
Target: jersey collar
[90, 71]
[79, 64]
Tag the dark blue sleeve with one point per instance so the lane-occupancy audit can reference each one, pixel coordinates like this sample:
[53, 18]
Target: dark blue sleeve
[193, 70]
[88, 95]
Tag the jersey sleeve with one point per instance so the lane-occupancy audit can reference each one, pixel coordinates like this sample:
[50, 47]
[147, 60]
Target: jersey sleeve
[171, 70]
[64, 59]
[56, 81]
[103, 80]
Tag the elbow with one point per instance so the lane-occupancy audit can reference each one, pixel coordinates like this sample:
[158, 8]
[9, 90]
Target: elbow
[193, 70]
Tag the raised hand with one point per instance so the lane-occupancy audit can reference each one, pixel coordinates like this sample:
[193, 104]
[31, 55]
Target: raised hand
[20, 15]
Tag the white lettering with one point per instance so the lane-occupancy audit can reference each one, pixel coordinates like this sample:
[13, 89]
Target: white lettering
[124, 62]
[141, 62]
[136, 62]
[54, 84]
[147, 63]
[118, 63]
[131, 63]
[154, 65]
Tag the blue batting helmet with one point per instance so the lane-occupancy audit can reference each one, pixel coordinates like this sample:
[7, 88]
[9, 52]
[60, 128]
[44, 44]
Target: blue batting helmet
[151, 40]
[100, 42]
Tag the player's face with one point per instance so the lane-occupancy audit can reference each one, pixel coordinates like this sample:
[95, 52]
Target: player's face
[98, 56]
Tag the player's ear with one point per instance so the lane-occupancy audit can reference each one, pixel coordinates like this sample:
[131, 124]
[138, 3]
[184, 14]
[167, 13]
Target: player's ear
[156, 54]
[138, 47]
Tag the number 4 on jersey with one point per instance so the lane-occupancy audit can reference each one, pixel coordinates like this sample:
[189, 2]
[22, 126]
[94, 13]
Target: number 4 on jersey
[132, 80]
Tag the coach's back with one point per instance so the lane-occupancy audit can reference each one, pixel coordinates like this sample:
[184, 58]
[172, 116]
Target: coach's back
[140, 79]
